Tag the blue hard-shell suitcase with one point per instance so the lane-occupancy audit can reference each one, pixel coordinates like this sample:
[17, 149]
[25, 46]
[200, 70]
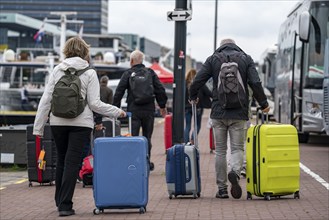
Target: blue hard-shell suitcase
[183, 171]
[121, 173]
[183, 167]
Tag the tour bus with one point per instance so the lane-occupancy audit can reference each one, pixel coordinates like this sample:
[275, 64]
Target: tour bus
[267, 68]
[300, 69]
[16, 76]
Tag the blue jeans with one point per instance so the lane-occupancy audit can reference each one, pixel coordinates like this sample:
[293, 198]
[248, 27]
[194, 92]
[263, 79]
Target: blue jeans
[188, 123]
[237, 131]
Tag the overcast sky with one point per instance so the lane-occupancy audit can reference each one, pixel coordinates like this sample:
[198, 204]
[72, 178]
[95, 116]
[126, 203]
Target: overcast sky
[254, 25]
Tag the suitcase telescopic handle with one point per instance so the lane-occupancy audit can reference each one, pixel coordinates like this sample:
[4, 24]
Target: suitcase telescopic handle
[195, 130]
[129, 115]
[113, 127]
[260, 112]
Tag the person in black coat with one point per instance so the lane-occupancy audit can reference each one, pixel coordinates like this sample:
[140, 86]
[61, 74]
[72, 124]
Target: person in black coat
[204, 96]
[142, 114]
[229, 120]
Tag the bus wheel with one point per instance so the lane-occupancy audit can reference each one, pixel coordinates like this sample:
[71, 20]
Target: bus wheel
[303, 137]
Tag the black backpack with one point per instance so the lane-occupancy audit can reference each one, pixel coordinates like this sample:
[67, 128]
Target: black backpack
[67, 101]
[231, 90]
[141, 85]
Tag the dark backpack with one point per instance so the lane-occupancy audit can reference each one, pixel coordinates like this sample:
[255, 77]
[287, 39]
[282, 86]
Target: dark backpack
[141, 85]
[67, 101]
[231, 90]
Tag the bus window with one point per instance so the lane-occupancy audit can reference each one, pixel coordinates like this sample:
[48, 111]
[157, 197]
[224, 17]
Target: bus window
[318, 35]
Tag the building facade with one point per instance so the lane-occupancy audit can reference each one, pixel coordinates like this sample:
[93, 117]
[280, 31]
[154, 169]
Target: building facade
[94, 13]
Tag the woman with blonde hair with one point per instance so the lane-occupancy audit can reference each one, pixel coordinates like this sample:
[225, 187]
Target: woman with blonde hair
[71, 134]
[204, 102]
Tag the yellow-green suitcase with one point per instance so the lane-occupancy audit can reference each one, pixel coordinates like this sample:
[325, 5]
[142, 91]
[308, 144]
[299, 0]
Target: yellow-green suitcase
[272, 161]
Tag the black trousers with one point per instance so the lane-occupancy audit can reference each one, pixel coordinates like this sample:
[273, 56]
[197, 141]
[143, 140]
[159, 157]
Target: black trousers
[70, 141]
[144, 120]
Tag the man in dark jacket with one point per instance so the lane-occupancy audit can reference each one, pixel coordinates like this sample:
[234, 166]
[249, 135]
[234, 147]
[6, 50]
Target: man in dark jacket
[142, 114]
[232, 121]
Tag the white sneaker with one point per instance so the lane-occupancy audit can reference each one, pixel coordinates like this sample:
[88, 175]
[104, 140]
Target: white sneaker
[243, 172]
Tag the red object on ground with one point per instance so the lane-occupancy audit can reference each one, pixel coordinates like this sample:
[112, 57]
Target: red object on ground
[87, 166]
[168, 131]
[38, 149]
[165, 76]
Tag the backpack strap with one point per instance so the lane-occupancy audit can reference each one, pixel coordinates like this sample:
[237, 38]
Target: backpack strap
[67, 72]
[221, 56]
[80, 72]
[140, 69]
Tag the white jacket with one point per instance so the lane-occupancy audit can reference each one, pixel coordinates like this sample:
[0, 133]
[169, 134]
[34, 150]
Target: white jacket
[89, 87]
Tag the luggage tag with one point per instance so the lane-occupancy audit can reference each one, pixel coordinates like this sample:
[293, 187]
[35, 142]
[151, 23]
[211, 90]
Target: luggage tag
[41, 161]
[126, 135]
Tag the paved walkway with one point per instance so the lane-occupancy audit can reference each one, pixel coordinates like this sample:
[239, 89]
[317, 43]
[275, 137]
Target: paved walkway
[18, 201]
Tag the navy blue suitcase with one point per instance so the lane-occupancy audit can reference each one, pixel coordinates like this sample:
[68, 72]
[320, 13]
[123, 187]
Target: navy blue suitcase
[183, 171]
[183, 167]
[121, 173]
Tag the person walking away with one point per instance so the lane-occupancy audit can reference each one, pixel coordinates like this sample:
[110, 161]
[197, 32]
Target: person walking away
[231, 70]
[71, 134]
[143, 87]
[106, 93]
[204, 96]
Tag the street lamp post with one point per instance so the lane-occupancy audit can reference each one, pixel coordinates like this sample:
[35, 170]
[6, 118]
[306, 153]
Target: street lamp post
[63, 21]
[215, 31]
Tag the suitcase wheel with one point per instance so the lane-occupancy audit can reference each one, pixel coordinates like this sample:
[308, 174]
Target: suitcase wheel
[296, 195]
[170, 196]
[198, 194]
[249, 196]
[30, 184]
[142, 210]
[267, 197]
[97, 211]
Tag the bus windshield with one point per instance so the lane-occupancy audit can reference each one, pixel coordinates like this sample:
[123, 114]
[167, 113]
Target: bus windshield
[318, 34]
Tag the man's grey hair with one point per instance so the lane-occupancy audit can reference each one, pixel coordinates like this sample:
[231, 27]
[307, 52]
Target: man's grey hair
[227, 41]
[137, 56]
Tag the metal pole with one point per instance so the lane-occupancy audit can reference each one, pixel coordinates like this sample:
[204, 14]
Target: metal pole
[300, 95]
[63, 36]
[292, 98]
[179, 77]
[63, 20]
[215, 37]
